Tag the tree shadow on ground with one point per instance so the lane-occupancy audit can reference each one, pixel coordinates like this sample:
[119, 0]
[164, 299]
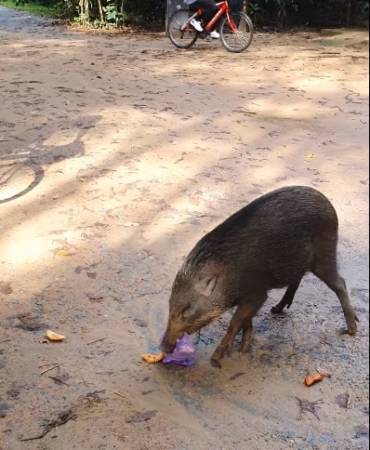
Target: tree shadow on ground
[130, 214]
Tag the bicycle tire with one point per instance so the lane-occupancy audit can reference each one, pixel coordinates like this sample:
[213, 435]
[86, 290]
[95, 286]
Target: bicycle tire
[38, 174]
[226, 32]
[171, 27]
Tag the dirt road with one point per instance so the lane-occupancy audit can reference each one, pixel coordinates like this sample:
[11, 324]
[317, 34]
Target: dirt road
[116, 155]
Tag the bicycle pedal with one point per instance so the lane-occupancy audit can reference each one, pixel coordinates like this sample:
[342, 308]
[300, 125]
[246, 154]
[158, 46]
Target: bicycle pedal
[205, 36]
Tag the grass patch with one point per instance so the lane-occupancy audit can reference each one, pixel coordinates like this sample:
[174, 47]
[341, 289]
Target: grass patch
[34, 8]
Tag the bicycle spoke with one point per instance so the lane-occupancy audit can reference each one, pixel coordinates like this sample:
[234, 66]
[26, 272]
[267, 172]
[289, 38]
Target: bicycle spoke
[182, 34]
[237, 36]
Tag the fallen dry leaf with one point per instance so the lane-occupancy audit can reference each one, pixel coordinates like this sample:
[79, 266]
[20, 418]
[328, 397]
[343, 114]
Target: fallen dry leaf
[310, 407]
[5, 288]
[342, 400]
[29, 322]
[141, 417]
[131, 224]
[153, 359]
[54, 337]
[63, 252]
[362, 431]
[314, 378]
[310, 156]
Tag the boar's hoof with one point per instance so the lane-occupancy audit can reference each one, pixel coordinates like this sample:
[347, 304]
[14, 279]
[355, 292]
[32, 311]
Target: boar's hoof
[352, 324]
[352, 330]
[276, 309]
[247, 339]
[216, 363]
[246, 347]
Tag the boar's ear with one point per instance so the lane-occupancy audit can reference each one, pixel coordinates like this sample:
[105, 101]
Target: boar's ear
[206, 285]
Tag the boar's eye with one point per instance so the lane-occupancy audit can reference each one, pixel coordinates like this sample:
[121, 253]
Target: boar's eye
[186, 311]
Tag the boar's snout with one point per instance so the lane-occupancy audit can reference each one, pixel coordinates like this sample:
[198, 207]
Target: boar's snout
[173, 333]
[167, 346]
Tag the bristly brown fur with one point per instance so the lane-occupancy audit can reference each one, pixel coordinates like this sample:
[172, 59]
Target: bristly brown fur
[271, 243]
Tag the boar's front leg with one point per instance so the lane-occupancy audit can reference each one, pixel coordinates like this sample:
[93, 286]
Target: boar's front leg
[247, 335]
[241, 318]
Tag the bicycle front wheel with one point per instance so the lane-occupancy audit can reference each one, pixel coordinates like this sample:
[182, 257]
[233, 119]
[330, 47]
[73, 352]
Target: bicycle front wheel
[236, 32]
[180, 36]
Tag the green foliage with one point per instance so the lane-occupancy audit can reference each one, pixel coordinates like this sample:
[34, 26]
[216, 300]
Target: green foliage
[145, 11]
[69, 8]
[276, 13]
[53, 9]
[317, 13]
[364, 8]
[112, 14]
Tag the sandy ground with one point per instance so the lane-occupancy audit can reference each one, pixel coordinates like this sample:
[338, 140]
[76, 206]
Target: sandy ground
[121, 152]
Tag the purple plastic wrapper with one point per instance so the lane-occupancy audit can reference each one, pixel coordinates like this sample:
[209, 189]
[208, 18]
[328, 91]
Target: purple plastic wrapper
[184, 353]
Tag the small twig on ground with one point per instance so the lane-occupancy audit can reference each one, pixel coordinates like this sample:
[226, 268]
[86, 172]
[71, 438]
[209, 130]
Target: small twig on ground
[62, 419]
[34, 438]
[120, 395]
[145, 294]
[237, 375]
[323, 372]
[50, 369]
[96, 341]
[58, 381]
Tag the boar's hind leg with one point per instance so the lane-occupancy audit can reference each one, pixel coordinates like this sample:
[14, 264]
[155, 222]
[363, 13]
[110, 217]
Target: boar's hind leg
[287, 299]
[337, 284]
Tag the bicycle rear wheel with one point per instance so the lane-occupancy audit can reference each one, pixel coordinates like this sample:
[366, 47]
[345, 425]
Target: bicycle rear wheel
[237, 37]
[181, 38]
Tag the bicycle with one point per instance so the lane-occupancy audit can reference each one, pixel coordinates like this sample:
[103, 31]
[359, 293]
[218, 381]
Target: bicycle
[236, 28]
[19, 175]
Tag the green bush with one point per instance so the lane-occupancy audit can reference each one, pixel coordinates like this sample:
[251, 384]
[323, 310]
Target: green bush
[145, 11]
[277, 13]
[315, 13]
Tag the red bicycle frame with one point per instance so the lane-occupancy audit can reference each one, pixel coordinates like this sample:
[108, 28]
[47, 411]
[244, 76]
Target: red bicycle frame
[224, 8]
